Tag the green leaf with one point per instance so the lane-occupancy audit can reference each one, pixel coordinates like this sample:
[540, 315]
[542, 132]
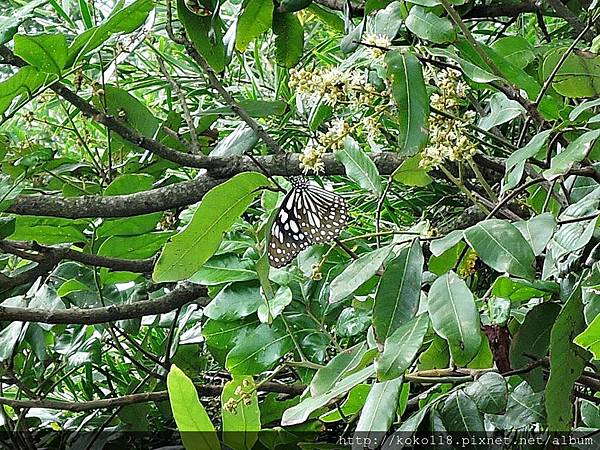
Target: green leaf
[359, 167]
[345, 361]
[197, 431]
[401, 348]
[240, 426]
[489, 392]
[356, 273]
[235, 301]
[289, 39]
[255, 19]
[289, 6]
[221, 337]
[454, 316]
[575, 152]
[331, 19]
[445, 243]
[7, 226]
[411, 174]
[517, 49]
[430, 27]
[46, 52]
[47, 230]
[460, 413]
[408, 89]
[10, 23]
[260, 350]
[524, 408]
[8, 191]
[590, 338]
[582, 107]
[399, 291]
[276, 305]
[502, 110]
[380, 409]
[472, 71]
[25, 82]
[538, 231]
[256, 108]
[224, 269]
[388, 21]
[300, 413]
[515, 164]
[501, 246]
[567, 361]
[238, 142]
[353, 404]
[134, 247]
[10, 337]
[189, 249]
[124, 20]
[578, 76]
[518, 290]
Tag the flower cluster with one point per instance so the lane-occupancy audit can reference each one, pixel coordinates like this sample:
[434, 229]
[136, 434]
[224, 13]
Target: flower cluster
[377, 44]
[335, 87]
[447, 139]
[467, 268]
[244, 395]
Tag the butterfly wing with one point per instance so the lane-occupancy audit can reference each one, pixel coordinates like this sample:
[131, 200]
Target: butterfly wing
[287, 239]
[326, 214]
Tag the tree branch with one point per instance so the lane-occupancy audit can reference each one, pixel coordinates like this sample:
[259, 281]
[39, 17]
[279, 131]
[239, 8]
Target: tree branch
[203, 390]
[179, 194]
[53, 255]
[182, 294]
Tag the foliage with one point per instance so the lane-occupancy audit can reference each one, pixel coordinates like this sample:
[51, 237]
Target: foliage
[145, 149]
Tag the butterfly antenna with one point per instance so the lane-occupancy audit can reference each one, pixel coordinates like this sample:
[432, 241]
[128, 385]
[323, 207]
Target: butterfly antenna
[265, 172]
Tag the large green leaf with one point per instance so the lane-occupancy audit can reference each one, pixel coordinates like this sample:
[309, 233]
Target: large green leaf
[9, 190]
[134, 247]
[524, 408]
[289, 39]
[206, 35]
[10, 23]
[124, 20]
[399, 291]
[26, 81]
[460, 413]
[188, 250]
[408, 88]
[502, 110]
[517, 49]
[538, 231]
[575, 152]
[240, 426]
[590, 338]
[411, 173]
[46, 52]
[225, 269]
[345, 361]
[301, 412]
[401, 348]
[356, 273]
[515, 163]
[359, 167]
[454, 316]
[489, 392]
[578, 76]
[197, 431]
[567, 361]
[430, 27]
[254, 20]
[501, 246]
[221, 337]
[379, 410]
[260, 350]
[235, 301]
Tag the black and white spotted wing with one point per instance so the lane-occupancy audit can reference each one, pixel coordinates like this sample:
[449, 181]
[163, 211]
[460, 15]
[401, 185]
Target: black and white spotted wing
[308, 215]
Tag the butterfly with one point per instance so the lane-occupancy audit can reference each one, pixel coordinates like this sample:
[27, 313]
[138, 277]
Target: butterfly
[308, 215]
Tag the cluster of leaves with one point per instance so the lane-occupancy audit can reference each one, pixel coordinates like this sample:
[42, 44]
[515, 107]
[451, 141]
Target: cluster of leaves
[465, 294]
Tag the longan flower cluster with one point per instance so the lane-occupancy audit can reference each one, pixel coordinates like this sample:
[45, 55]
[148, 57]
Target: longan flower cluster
[447, 139]
[468, 266]
[244, 395]
[333, 138]
[339, 88]
[377, 44]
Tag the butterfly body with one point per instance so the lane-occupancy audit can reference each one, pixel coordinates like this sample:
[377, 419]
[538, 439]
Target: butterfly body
[308, 215]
